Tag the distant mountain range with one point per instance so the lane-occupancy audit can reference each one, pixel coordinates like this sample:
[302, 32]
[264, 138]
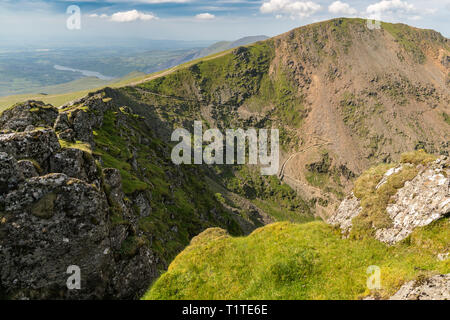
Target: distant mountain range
[216, 48]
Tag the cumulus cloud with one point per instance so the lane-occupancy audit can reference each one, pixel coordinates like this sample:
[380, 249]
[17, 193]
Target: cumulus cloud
[339, 7]
[205, 16]
[132, 15]
[389, 6]
[292, 8]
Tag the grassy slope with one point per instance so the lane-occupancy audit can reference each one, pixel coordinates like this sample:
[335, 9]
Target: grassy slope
[312, 260]
[297, 261]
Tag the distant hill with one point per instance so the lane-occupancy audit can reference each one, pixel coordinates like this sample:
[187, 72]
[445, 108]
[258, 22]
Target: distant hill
[219, 47]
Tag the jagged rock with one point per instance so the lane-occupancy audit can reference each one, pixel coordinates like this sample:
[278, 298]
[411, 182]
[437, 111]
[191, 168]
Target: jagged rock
[143, 205]
[113, 182]
[10, 175]
[67, 135]
[62, 122]
[74, 163]
[420, 202]
[38, 145]
[28, 169]
[82, 126]
[27, 115]
[349, 209]
[54, 222]
[434, 288]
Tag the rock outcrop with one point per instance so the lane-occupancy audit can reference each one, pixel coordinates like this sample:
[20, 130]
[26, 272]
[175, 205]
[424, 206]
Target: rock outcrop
[424, 199]
[61, 205]
[28, 115]
[55, 212]
[434, 288]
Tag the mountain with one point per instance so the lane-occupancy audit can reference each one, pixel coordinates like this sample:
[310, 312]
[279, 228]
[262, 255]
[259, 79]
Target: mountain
[216, 48]
[92, 183]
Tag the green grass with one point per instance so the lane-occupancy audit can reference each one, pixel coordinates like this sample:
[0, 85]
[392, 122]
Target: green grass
[275, 198]
[76, 145]
[297, 261]
[408, 38]
[446, 118]
[417, 157]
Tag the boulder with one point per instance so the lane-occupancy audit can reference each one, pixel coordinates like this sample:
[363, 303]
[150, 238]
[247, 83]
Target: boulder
[418, 203]
[55, 222]
[434, 288]
[38, 145]
[28, 168]
[28, 115]
[10, 175]
[75, 163]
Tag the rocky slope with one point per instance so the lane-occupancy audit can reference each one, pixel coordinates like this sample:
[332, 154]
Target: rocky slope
[343, 97]
[64, 200]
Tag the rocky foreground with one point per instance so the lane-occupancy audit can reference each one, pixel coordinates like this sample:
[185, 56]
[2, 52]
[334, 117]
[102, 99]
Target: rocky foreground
[54, 211]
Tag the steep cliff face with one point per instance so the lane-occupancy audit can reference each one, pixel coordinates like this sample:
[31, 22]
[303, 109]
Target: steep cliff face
[92, 186]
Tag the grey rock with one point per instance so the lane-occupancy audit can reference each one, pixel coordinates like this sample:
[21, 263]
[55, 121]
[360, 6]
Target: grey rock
[434, 288]
[75, 163]
[10, 175]
[54, 222]
[28, 169]
[62, 122]
[31, 113]
[38, 145]
[349, 209]
[67, 135]
[420, 202]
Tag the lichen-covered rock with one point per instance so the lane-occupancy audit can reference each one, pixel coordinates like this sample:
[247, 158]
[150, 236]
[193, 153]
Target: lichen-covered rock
[418, 203]
[55, 222]
[62, 122]
[434, 288]
[67, 135]
[38, 145]
[349, 209]
[75, 163]
[10, 175]
[30, 113]
[28, 168]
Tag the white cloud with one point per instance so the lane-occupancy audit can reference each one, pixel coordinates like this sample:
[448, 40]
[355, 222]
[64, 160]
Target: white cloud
[339, 7]
[205, 16]
[388, 6]
[95, 15]
[293, 8]
[132, 15]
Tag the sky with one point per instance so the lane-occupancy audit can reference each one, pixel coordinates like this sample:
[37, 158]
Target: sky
[192, 20]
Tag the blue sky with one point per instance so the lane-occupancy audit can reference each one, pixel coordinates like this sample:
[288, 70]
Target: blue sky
[201, 19]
